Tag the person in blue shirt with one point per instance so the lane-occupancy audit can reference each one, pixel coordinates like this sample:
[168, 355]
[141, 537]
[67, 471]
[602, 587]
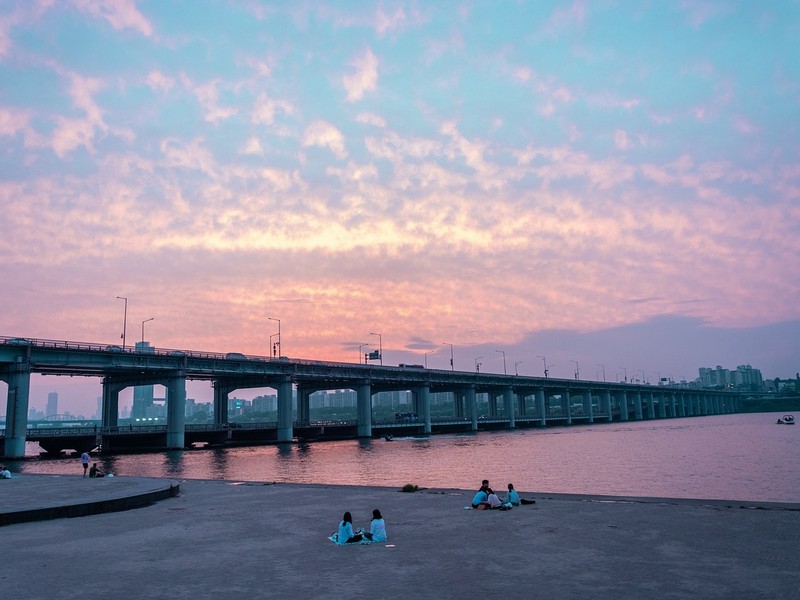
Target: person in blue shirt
[514, 499]
[346, 535]
[377, 528]
[481, 499]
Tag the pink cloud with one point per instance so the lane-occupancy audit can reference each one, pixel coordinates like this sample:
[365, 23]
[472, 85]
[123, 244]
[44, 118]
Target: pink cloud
[324, 135]
[365, 77]
[121, 14]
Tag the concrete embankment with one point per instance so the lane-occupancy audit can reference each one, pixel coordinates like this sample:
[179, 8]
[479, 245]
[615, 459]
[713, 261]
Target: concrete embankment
[249, 539]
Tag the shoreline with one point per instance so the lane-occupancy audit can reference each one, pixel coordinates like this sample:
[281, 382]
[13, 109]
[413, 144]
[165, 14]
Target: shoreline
[270, 539]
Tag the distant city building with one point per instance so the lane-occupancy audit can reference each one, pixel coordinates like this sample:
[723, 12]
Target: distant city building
[744, 377]
[143, 394]
[52, 404]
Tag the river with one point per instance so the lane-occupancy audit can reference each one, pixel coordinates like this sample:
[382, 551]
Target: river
[732, 457]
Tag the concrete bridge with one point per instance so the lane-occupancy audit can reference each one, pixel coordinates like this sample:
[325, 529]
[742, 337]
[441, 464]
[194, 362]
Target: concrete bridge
[513, 400]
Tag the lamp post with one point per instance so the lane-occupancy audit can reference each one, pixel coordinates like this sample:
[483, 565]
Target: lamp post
[361, 357]
[380, 346]
[577, 369]
[604, 370]
[624, 370]
[544, 362]
[124, 321]
[143, 322]
[426, 357]
[658, 377]
[452, 368]
[477, 364]
[273, 346]
[280, 348]
[504, 361]
[516, 364]
[643, 377]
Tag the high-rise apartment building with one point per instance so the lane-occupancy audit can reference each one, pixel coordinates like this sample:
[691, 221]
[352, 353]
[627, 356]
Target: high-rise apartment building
[52, 404]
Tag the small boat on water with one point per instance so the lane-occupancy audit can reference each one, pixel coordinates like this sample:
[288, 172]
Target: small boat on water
[786, 420]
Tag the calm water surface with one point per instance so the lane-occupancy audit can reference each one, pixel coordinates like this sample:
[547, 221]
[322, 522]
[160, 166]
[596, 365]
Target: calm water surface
[736, 457]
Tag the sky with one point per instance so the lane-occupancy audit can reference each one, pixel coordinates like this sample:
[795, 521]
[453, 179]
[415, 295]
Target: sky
[606, 183]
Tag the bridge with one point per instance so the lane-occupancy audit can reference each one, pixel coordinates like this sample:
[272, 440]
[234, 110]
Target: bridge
[513, 400]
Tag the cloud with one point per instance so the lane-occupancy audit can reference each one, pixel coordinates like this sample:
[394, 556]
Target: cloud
[158, 81]
[365, 78]
[192, 155]
[121, 14]
[252, 146]
[324, 135]
[621, 139]
[371, 119]
[265, 109]
[208, 96]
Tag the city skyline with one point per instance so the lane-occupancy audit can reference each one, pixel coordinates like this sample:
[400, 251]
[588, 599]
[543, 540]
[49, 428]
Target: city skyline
[596, 183]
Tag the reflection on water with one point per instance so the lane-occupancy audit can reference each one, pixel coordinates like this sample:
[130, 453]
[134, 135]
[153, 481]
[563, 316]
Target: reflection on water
[743, 457]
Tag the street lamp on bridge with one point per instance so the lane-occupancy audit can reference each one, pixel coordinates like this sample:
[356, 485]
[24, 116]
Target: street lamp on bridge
[380, 346]
[516, 364]
[604, 370]
[624, 370]
[577, 369]
[504, 361]
[544, 362]
[280, 348]
[143, 322]
[426, 357]
[361, 357]
[477, 364]
[124, 320]
[452, 368]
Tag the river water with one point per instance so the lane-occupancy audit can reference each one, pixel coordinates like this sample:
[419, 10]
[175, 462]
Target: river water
[731, 457]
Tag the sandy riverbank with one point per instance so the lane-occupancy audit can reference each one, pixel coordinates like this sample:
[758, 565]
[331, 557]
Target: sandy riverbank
[248, 540]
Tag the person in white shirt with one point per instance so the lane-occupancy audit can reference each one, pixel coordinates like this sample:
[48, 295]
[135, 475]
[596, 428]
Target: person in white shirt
[377, 528]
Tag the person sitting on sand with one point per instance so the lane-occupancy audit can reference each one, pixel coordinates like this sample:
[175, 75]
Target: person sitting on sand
[377, 528]
[95, 472]
[493, 500]
[5, 473]
[481, 499]
[514, 499]
[346, 535]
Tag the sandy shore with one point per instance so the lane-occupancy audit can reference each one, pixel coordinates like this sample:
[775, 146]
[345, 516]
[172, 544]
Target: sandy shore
[248, 540]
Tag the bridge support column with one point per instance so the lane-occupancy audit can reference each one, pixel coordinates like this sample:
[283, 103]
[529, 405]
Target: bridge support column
[285, 416]
[303, 404]
[18, 377]
[681, 404]
[110, 406]
[508, 406]
[423, 402]
[491, 400]
[364, 408]
[458, 404]
[672, 408]
[689, 399]
[566, 403]
[606, 399]
[541, 407]
[662, 406]
[623, 405]
[637, 405]
[522, 408]
[471, 406]
[176, 411]
[221, 391]
[651, 406]
[589, 405]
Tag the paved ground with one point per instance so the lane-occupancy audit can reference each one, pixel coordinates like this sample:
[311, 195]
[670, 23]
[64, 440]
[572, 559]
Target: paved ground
[254, 540]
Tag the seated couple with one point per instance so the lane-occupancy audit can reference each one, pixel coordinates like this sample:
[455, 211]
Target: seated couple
[346, 535]
[487, 499]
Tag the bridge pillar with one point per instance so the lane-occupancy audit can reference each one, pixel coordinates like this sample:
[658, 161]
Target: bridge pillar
[303, 404]
[672, 409]
[606, 403]
[662, 405]
[689, 404]
[458, 403]
[623, 405]
[176, 411]
[651, 406]
[471, 403]
[637, 405]
[285, 417]
[508, 406]
[566, 403]
[422, 395]
[364, 408]
[541, 407]
[491, 400]
[522, 408]
[110, 406]
[221, 391]
[18, 377]
[588, 405]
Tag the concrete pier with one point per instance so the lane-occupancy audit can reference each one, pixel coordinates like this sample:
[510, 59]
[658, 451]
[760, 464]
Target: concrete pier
[255, 539]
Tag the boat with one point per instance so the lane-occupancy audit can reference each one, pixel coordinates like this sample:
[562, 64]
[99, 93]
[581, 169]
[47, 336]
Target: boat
[786, 420]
